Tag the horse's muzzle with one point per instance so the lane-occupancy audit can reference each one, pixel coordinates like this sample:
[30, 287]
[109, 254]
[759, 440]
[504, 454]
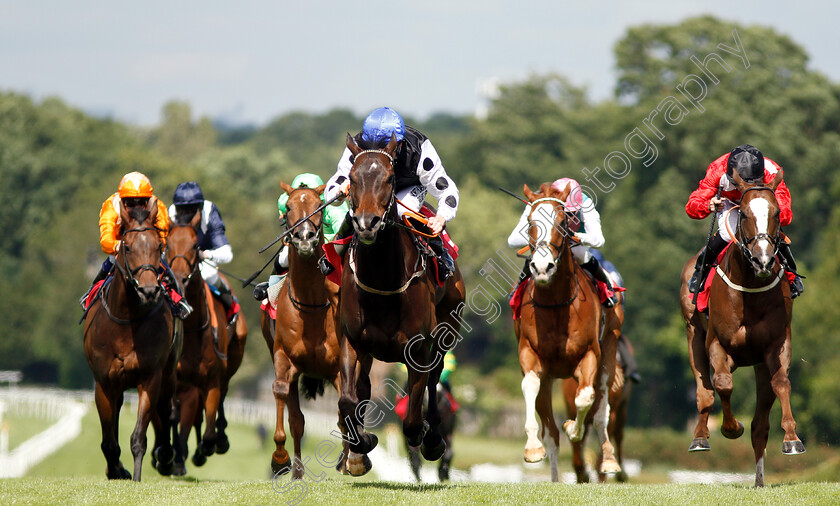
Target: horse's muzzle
[148, 294]
[367, 225]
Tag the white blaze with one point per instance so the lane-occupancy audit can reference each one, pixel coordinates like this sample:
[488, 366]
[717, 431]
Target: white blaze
[761, 210]
[543, 218]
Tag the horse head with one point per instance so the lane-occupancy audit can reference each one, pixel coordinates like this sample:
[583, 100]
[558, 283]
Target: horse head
[306, 233]
[139, 255]
[758, 232]
[182, 247]
[547, 230]
[372, 188]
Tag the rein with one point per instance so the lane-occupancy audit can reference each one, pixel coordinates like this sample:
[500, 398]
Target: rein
[744, 243]
[564, 231]
[302, 306]
[126, 270]
[119, 321]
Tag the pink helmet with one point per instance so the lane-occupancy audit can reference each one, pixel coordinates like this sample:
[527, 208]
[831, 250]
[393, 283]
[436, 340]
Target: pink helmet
[575, 199]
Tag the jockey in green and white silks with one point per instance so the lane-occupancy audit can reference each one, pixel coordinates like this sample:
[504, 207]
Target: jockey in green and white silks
[587, 228]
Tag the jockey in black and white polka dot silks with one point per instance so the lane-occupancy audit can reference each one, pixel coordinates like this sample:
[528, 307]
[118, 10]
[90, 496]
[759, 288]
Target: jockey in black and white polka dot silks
[417, 166]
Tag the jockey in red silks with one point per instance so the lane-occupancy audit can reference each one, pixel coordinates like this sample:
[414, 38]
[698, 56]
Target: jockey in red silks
[753, 167]
[586, 227]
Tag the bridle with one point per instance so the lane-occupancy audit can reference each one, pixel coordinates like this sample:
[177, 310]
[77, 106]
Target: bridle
[316, 226]
[193, 265]
[129, 274]
[566, 233]
[383, 219]
[744, 243]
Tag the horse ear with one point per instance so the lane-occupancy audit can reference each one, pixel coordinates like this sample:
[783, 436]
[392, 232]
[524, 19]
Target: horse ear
[320, 189]
[352, 146]
[124, 217]
[287, 189]
[780, 176]
[528, 193]
[196, 219]
[391, 148]
[152, 207]
[739, 181]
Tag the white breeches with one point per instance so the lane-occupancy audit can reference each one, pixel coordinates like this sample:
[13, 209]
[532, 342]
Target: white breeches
[412, 197]
[732, 217]
[283, 257]
[581, 253]
[208, 272]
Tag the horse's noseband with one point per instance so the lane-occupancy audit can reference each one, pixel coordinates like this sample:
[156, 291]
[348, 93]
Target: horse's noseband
[126, 270]
[744, 244]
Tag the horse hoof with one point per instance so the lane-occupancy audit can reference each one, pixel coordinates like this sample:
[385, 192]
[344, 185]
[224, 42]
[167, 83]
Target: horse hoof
[733, 435]
[793, 447]
[207, 449]
[164, 466]
[341, 467]
[358, 464]
[198, 458]
[222, 445]
[179, 470]
[433, 450]
[415, 440]
[610, 466]
[120, 474]
[367, 443]
[700, 444]
[570, 428]
[280, 467]
[534, 455]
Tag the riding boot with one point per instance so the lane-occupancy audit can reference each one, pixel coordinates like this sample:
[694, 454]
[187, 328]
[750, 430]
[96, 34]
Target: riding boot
[594, 267]
[172, 289]
[796, 287]
[705, 261]
[104, 270]
[445, 262]
[627, 360]
[229, 301]
[346, 229]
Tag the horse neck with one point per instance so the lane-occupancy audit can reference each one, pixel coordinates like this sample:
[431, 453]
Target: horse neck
[121, 298]
[304, 275]
[562, 285]
[737, 268]
[386, 258]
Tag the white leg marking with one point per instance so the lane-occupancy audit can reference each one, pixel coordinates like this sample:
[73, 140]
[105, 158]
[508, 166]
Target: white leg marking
[583, 402]
[530, 389]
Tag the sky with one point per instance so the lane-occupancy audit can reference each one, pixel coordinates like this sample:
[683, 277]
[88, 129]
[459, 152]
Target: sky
[246, 62]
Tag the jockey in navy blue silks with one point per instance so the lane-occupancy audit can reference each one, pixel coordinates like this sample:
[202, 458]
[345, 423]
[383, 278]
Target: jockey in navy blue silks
[418, 171]
[214, 247]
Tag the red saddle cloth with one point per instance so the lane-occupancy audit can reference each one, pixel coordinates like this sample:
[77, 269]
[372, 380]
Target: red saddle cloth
[401, 408]
[94, 293]
[516, 298]
[265, 306]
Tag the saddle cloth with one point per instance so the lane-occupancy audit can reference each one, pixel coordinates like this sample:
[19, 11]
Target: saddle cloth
[604, 293]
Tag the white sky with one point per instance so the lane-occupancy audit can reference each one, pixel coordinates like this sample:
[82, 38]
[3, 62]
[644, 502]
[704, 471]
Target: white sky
[249, 61]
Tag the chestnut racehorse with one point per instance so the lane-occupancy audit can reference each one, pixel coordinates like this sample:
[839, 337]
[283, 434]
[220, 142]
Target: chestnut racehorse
[748, 325]
[391, 308]
[130, 340]
[558, 332]
[211, 354]
[303, 343]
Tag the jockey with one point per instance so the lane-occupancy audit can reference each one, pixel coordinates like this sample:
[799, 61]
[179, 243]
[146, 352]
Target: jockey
[134, 190]
[752, 166]
[213, 245]
[332, 221]
[418, 170]
[587, 228]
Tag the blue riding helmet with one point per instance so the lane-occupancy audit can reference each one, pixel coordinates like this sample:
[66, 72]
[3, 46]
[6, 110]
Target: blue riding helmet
[380, 124]
[188, 193]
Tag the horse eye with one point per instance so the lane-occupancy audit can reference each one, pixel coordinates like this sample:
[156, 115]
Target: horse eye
[392, 179]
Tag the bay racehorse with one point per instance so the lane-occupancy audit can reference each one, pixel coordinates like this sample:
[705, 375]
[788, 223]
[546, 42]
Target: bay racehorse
[619, 399]
[131, 340]
[559, 330]
[211, 353]
[392, 309]
[303, 341]
[748, 325]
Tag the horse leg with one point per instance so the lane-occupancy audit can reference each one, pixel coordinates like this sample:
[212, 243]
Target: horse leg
[163, 454]
[222, 441]
[578, 464]
[198, 458]
[704, 393]
[211, 407]
[188, 403]
[296, 424]
[779, 365]
[722, 363]
[619, 420]
[280, 462]
[601, 419]
[341, 465]
[550, 431]
[358, 464]
[145, 393]
[433, 446]
[584, 395]
[414, 427]
[760, 428]
[109, 414]
[361, 442]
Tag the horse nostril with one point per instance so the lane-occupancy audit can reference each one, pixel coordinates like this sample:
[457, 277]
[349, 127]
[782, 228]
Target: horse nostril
[374, 221]
[549, 267]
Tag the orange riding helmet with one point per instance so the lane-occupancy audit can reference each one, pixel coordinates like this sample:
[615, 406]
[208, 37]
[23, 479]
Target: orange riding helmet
[135, 185]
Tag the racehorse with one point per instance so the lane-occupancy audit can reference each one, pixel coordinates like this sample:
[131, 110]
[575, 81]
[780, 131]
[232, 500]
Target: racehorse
[619, 398]
[132, 340]
[748, 325]
[392, 308]
[447, 429]
[559, 330]
[303, 341]
[211, 353]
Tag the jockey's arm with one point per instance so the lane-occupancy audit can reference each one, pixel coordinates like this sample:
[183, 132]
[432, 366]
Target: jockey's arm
[341, 176]
[108, 229]
[519, 236]
[784, 201]
[433, 177]
[219, 250]
[593, 236]
[162, 221]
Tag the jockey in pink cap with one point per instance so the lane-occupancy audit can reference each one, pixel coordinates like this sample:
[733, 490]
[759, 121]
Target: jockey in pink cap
[587, 228]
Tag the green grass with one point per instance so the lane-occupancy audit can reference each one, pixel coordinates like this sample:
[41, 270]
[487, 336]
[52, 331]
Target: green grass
[158, 491]
[22, 428]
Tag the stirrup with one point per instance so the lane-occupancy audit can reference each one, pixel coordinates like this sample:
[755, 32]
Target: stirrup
[261, 291]
[694, 281]
[325, 266]
[796, 288]
[184, 309]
